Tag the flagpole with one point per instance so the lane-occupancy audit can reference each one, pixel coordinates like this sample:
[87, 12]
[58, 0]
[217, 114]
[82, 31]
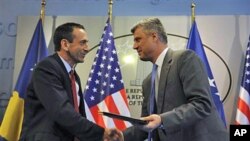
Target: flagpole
[42, 13]
[193, 12]
[110, 10]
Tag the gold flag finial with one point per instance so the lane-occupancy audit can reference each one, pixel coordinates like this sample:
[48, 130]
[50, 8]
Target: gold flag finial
[110, 10]
[42, 14]
[193, 12]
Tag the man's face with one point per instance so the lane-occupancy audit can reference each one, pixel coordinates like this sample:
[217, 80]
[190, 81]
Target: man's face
[79, 47]
[144, 44]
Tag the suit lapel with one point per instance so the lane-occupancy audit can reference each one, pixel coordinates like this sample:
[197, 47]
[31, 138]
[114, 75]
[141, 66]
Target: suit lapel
[67, 84]
[81, 107]
[163, 80]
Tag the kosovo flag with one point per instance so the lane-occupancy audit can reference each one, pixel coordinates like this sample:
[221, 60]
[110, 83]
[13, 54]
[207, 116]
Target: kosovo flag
[195, 44]
[13, 118]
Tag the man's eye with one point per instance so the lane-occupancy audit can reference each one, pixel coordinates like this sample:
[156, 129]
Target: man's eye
[137, 40]
[83, 42]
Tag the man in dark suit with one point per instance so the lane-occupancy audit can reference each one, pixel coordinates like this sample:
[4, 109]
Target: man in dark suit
[184, 110]
[51, 111]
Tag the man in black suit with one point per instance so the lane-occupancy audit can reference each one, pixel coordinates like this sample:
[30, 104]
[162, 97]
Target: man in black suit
[183, 109]
[51, 113]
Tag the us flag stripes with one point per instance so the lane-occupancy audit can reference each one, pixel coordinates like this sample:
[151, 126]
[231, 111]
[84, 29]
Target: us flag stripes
[243, 108]
[104, 90]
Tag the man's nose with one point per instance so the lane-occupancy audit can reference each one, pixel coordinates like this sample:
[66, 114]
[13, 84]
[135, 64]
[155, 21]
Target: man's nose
[135, 46]
[86, 48]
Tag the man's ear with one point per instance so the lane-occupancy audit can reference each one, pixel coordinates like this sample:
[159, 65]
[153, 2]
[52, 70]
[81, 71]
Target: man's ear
[65, 44]
[154, 35]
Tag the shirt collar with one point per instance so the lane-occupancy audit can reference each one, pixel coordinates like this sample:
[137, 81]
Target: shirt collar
[66, 64]
[161, 57]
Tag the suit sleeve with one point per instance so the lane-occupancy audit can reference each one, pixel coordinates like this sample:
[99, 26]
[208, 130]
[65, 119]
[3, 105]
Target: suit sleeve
[51, 91]
[195, 90]
[134, 133]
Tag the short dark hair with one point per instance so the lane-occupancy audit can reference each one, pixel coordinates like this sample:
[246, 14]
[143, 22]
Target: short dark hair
[64, 31]
[150, 25]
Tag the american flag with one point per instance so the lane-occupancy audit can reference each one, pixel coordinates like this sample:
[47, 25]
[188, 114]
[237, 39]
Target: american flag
[105, 90]
[243, 109]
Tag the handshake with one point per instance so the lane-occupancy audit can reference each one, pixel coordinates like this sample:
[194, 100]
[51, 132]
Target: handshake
[152, 122]
[112, 134]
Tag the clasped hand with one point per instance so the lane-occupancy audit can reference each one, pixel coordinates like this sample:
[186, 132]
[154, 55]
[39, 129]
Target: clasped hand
[112, 134]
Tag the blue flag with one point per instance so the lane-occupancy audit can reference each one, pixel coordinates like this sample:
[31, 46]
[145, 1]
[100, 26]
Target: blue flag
[12, 121]
[195, 44]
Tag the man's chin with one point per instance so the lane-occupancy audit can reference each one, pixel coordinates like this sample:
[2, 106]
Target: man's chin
[143, 59]
[80, 61]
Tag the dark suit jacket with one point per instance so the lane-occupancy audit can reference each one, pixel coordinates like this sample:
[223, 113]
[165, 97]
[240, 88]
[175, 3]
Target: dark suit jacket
[184, 102]
[49, 114]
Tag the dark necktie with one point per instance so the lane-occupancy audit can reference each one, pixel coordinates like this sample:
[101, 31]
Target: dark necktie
[73, 87]
[152, 95]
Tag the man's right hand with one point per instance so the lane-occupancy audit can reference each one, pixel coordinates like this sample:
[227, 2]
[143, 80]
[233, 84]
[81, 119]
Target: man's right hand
[112, 134]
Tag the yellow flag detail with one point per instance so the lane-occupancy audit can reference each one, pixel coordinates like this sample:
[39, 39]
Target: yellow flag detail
[13, 118]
